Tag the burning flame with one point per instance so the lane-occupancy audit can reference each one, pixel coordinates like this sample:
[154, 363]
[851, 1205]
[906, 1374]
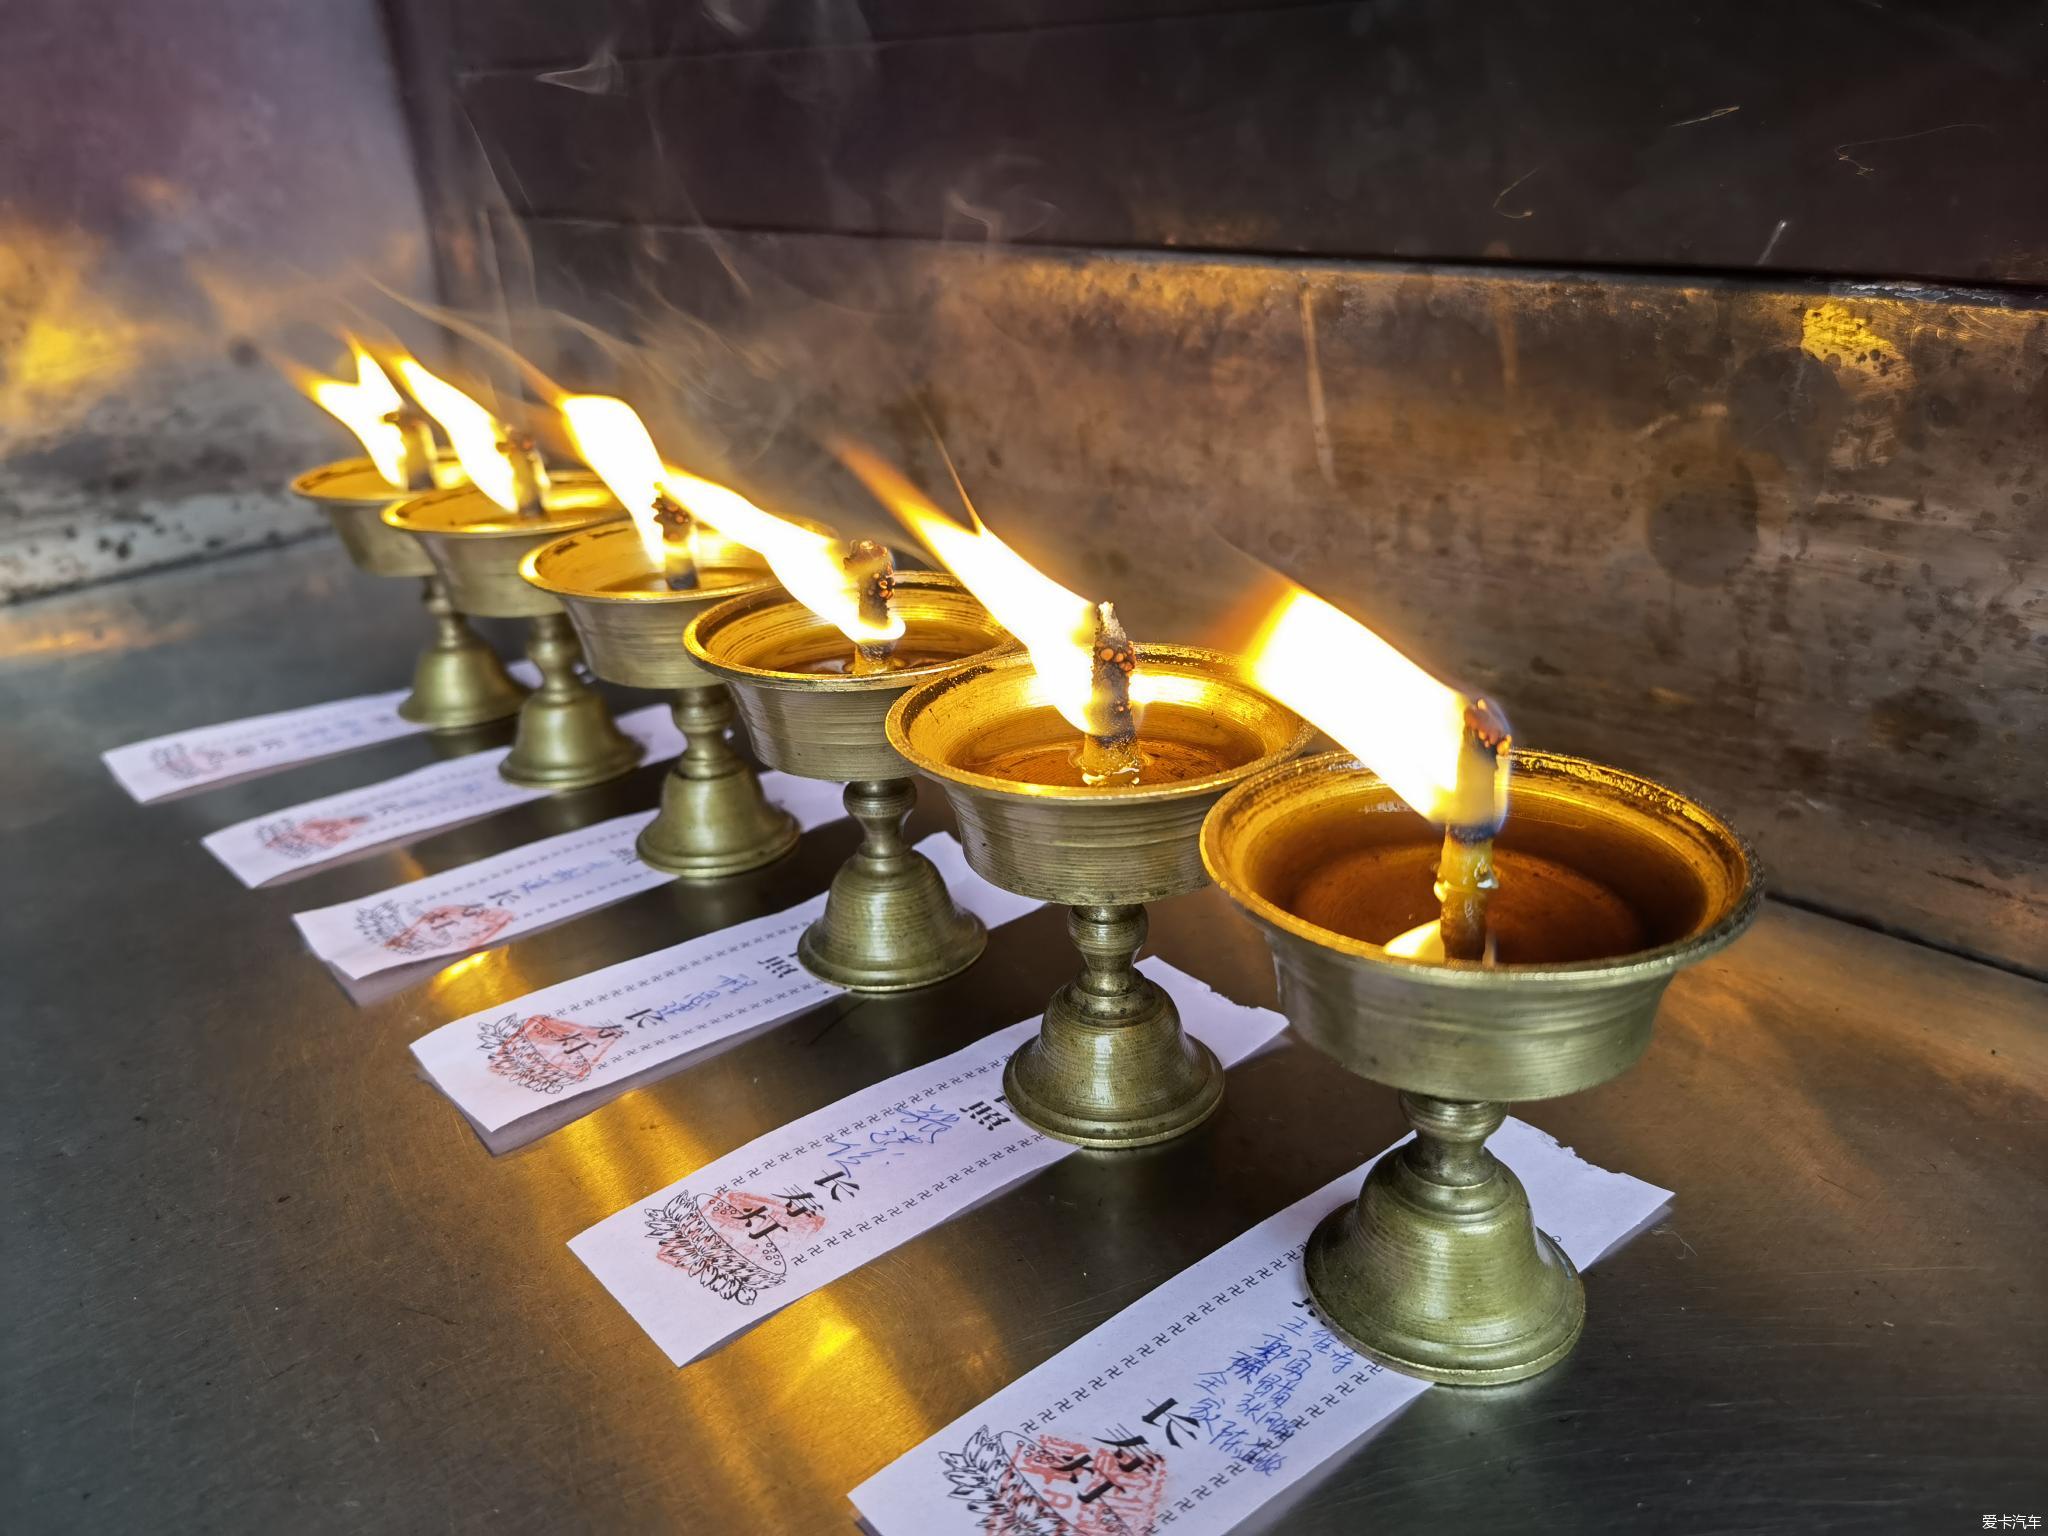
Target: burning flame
[475, 433]
[362, 407]
[1410, 729]
[612, 440]
[812, 567]
[1056, 626]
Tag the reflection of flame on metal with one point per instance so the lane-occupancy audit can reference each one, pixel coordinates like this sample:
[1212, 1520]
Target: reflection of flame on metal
[1425, 941]
[69, 344]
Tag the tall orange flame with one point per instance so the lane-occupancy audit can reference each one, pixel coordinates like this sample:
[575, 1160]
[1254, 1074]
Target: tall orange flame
[612, 440]
[363, 407]
[1416, 733]
[475, 433]
[810, 565]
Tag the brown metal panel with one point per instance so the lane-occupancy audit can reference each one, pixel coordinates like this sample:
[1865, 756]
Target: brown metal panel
[1890, 141]
[580, 42]
[1784, 547]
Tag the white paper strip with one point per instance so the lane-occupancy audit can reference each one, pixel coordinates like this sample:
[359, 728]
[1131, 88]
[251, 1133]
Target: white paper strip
[587, 1036]
[1194, 1406]
[495, 900]
[794, 1210]
[320, 832]
[213, 755]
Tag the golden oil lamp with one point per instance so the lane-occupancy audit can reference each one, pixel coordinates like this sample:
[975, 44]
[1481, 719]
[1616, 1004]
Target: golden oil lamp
[1563, 902]
[629, 589]
[476, 535]
[1079, 773]
[815, 709]
[813, 665]
[458, 681]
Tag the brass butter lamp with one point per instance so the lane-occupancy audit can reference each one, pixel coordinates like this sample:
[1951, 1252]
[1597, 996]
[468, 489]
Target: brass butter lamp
[889, 924]
[1520, 959]
[458, 681]
[566, 738]
[477, 535]
[1079, 773]
[714, 820]
[1111, 1065]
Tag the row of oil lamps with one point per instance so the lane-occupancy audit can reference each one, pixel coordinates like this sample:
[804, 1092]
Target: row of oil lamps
[1464, 956]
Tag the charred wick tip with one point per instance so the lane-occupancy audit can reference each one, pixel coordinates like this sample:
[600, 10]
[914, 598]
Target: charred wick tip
[871, 572]
[1114, 660]
[1113, 646]
[871, 568]
[671, 518]
[1489, 727]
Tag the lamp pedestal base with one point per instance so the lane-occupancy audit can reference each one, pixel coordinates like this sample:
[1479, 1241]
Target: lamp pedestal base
[458, 680]
[566, 738]
[1111, 1065]
[889, 924]
[1436, 1269]
[714, 820]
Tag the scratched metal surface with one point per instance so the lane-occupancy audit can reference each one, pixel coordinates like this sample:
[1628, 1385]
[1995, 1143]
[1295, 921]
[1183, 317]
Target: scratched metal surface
[258, 1276]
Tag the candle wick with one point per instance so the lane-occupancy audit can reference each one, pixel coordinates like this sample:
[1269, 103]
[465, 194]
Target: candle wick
[679, 568]
[415, 448]
[1109, 746]
[1464, 882]
[1465, 878]
[871, 577]
[529, 475]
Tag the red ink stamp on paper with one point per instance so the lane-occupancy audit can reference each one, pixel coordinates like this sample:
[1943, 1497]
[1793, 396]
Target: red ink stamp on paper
[727, 1241]
[303, 839]
[439, 930]
[1022, 1485]
[543, 1053]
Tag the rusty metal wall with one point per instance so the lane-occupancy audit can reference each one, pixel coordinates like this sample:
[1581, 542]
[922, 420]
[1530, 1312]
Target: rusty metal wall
[167, 172]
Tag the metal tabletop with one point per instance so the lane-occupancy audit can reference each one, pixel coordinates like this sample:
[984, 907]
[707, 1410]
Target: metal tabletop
[259, 1275]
